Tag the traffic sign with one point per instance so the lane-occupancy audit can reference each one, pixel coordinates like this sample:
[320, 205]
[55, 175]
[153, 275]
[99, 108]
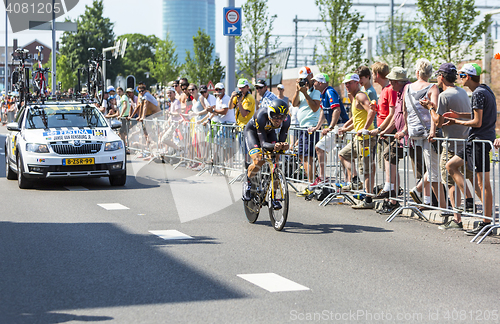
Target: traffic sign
[232, 21]
[210, 86]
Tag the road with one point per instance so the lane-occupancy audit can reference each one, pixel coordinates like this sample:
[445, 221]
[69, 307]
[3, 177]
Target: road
[65, 258]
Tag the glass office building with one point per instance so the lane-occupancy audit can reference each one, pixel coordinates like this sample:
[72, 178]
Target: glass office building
[183, 18]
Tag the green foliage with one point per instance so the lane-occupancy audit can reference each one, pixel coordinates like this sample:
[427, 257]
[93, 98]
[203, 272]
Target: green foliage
[342, 46]
[203, 67]
[164, 66]
[407, 34]
[65, 73]
[93, 31]
[138, 56]
[449, 25]
[251, 45]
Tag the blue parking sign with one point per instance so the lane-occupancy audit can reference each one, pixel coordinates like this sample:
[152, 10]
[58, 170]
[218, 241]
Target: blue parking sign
[232, 21]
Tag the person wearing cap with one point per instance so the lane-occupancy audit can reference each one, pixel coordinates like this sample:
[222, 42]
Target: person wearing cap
[112, 111]
[243, 103]
[147, 105]
[456, 98]
[482, 123]
[363, 145]
[175, 117]
[281, 93]
[309, 116]
[266, 96]
[394, 151]
[208, 102]
[223, 114]
[335, 115]
[422, 130]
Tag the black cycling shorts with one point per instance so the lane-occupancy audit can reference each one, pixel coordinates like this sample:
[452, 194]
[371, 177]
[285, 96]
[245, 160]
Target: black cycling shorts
[252, 140]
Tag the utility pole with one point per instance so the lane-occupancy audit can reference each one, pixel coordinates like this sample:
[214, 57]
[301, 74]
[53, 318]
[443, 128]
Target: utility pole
[6, 50]
[53, 86]
[296, 21]
[231, 66]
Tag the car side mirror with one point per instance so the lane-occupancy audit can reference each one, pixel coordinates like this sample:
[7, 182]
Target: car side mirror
[115, 124]
[13, 127]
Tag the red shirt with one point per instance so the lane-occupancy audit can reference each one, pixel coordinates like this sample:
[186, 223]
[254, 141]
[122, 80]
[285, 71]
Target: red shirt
[388, 98]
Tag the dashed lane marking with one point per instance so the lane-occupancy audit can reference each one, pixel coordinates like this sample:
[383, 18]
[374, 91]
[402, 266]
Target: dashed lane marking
[76, 188]
[272, 282]
[114, 206]
[171, 235]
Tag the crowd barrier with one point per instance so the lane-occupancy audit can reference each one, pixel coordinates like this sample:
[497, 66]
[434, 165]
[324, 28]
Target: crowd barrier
[219, 148]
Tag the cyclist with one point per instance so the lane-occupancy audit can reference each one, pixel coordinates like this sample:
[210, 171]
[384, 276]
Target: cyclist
[260, 133]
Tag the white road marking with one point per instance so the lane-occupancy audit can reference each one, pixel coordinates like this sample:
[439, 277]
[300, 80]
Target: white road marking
[272, 282]
[114, 206]
[76, 188]
[171, 235]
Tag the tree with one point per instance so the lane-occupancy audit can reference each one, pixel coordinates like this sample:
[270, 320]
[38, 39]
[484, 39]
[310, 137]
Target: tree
[65, 73]
[203, 67]
[342, 45]
[138, 56]
[407, 34]
[164, 66]
[93, 31]
[450, 30]
[254, 43]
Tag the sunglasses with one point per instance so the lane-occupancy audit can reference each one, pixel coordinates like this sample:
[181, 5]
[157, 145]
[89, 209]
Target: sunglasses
[258, 88]
[191, 89]
[280, 118]
[462, 75]
[202, 92]
[184, 87]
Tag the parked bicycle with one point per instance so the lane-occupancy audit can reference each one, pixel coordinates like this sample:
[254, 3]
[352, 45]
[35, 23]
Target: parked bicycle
[40, 79]
[20, 76]
[95, 81]
[271, 185]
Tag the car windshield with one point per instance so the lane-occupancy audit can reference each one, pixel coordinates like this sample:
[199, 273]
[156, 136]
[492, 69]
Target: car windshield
[64, 116]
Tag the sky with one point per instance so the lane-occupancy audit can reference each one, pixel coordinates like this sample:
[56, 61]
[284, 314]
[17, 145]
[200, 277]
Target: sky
[145, 17]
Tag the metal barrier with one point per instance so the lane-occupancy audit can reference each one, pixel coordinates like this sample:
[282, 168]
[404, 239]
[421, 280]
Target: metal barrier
[352, 162]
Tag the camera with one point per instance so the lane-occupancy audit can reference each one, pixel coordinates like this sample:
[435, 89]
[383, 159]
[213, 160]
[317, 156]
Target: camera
[303, 82]
[239, 93]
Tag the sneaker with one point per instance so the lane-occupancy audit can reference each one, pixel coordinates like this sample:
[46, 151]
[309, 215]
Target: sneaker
[353, 186]
[384, 206]
[359, 196]
[389, 208]
[316, 183]
[247, 191]
[451, 225]
[415, 195]
[276, 204]
[341, 184]
[385, 194]
[304, 193]
[364, 205]
[477, 229]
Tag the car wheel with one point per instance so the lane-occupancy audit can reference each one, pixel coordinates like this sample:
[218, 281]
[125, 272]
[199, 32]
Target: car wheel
[22, 181]
[118, 180]
[9, 173]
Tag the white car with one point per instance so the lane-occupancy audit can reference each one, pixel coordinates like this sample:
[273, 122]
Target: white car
[63, 140]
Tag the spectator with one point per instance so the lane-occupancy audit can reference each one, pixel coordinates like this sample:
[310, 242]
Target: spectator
[420, 128]
[281, 93]
[243, 103]
[175, 113]
[362, 146]
[266, 96]
[223, 114]
[309, 116]
[208, 102]
[124, 113]
[147, 105]
[457, 99]
[335, 115]
[177, 87]
[394, 152]
[476, 155]
[365, 76]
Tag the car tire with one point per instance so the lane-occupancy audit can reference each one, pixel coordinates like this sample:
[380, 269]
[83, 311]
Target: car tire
[22, 181]
[9, 173]
[118, 180]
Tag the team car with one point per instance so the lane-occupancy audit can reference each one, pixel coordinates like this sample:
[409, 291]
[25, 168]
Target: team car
[63, 140]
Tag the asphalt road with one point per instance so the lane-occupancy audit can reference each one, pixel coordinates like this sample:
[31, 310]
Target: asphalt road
[64, 258]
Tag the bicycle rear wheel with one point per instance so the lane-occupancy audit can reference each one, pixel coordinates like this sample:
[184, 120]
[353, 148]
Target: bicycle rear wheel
[278, 216]
[252, 209]
[99, 86]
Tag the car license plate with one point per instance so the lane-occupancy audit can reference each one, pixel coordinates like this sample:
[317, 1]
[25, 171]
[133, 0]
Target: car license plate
[82, 161]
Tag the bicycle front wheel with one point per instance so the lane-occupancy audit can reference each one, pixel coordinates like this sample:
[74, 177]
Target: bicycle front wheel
[278, 216]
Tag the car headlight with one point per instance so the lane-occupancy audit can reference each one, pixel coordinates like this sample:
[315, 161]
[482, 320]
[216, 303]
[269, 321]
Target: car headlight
[37, 148]
[113, 146]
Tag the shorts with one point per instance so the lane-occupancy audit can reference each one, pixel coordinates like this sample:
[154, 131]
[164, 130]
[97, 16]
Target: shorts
[477, 156]
[446, 155]
[125, 126]
[394, 152]
[307, 142]
[363, 151]
[327, 142]
[431, 159]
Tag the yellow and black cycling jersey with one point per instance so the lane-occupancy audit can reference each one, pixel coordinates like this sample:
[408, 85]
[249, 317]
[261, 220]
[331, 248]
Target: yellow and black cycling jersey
[261, 133]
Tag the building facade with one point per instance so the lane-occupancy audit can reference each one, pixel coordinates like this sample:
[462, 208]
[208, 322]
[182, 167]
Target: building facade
[183, 18]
